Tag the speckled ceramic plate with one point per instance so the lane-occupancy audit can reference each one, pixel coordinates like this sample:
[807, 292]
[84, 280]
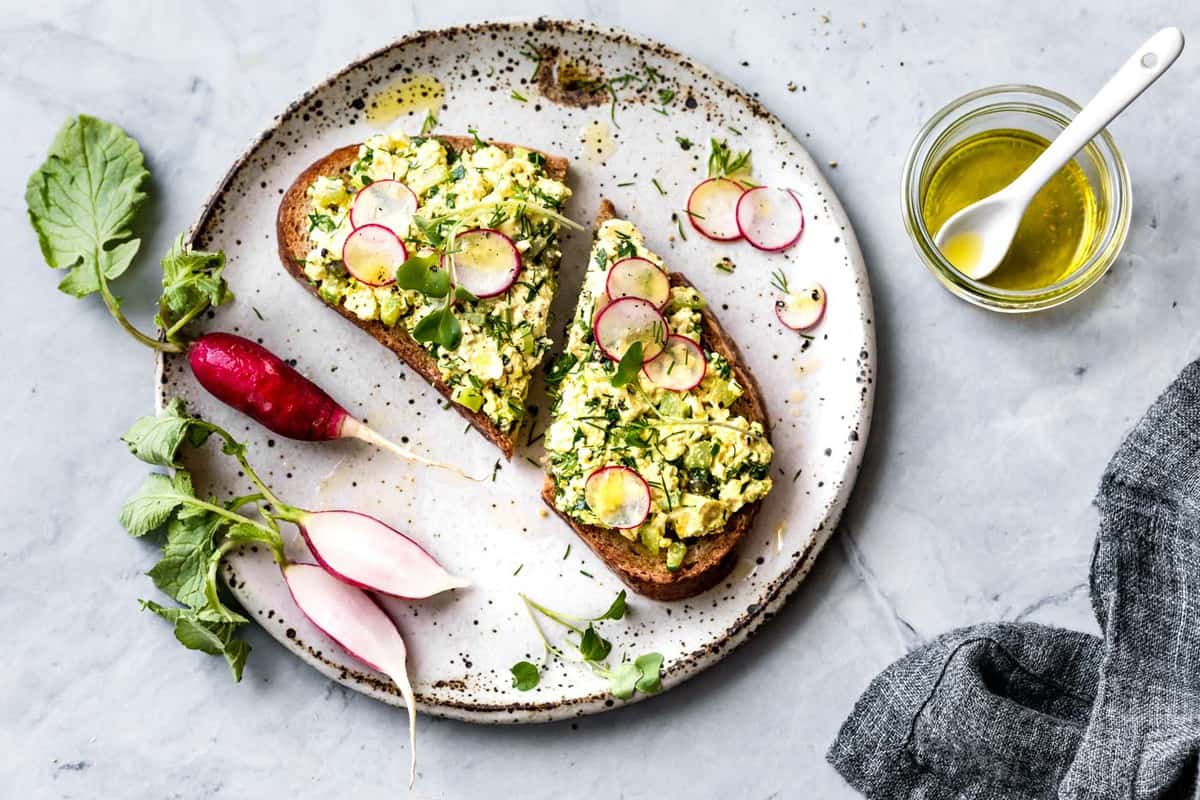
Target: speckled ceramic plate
[818, 394]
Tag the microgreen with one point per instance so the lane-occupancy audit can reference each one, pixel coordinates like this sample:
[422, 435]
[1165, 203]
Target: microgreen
[83, 201]
[429, 123]
[627, 368]
[584, 643]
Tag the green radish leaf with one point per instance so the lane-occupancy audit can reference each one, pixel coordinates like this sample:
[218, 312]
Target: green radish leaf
[593, 646]
[192, 282]
[155, 501]
[623, 679]
[214, 638]
[421, 273]
[525, 676]
[616, 610]
[629, 365]
[82, 201]
[649, 666]
[183, 570]
[156, 440]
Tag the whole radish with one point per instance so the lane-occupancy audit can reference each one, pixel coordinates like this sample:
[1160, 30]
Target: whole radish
[249, 377]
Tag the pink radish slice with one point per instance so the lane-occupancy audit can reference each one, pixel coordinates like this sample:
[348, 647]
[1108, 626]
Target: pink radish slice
[355, 621]
[366, 553]
[618, 496]
[770, 219]
[803, 308]
[388, 203]
[638, 277]
[628, 320]
[373, 253]
[486, 262]
[712, 208]
[679, 367]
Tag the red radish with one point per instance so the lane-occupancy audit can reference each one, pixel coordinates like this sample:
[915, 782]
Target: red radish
[388, 203]
[250, 378]
[712, 208]
[638, 277]
[680, 366]
[486, 262]
[356, 622]
[770, 219]
[802, 309]
[373, 253]
[363, 551]
[628, 320]
[618, 496]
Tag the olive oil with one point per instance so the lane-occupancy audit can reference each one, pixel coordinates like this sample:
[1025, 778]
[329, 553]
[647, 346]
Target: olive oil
[411, 96]
[1056, 234]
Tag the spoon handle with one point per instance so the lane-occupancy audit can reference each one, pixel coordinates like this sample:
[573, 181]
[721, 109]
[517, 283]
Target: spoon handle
[1143, 68]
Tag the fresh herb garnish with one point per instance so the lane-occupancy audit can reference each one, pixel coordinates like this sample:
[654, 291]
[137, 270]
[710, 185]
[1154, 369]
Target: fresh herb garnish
[726, 163]
[684, 142]
[779, 281]
[626, 678]
[520, 98]
[628, 367]
[429, 123]
[82, 203]
[658, 186]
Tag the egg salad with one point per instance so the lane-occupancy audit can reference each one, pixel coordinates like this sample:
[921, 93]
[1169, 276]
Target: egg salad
[504, 337]
[699, 461]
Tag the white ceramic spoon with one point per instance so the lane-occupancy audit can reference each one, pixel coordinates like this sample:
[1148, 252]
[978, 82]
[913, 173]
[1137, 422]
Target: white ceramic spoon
[976, 238]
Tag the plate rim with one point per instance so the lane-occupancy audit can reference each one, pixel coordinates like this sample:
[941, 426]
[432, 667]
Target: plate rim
[775, 594]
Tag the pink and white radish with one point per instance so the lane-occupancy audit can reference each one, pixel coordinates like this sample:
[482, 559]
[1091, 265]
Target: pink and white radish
[355, 621]
[362, 551]
[250, 378]
[373, 253]
[618, 496]
[771, 219]
[485, 262]
[679, 367]
[803, 308]
[712, 208]
[638, 277]
[386, 202]
[628, 320]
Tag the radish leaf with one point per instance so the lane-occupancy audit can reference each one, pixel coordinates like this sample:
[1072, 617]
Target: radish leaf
[155, 440]
[82, 201]
[183, 570]
[155, 501]
[192, 283]
[214, 638]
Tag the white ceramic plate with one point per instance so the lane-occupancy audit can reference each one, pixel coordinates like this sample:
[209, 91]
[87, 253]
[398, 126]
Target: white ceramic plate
[819, 396]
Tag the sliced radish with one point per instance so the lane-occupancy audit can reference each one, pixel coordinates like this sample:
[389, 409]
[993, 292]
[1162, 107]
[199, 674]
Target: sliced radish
[630, 319]
[680, 366]
[712, 208]
[355, 621]
[373, 253]
[486, 262]
[803, 308]
[388, 203]
[618, 496]
[770, 219]
[638, 277]
[366, 553]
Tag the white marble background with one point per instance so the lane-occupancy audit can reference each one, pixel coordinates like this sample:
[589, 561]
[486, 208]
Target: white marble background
[990, 432]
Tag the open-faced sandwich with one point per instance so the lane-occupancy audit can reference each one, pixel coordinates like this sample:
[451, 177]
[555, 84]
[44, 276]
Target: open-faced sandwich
[445, 249]
[659, 455]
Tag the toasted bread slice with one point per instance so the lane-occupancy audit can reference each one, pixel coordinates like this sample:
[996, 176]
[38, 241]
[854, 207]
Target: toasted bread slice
[292, 231]
[709, 558]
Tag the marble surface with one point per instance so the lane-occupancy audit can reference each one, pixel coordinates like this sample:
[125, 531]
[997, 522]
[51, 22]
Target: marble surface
[974, 504]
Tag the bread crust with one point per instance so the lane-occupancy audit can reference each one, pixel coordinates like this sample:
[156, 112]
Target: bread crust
[710, 558]
[291, 227]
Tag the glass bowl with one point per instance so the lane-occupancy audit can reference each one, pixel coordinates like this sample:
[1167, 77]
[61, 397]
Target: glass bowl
[1041, 112]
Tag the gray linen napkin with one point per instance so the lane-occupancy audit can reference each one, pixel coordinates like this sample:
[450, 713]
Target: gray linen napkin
[1018, 711]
